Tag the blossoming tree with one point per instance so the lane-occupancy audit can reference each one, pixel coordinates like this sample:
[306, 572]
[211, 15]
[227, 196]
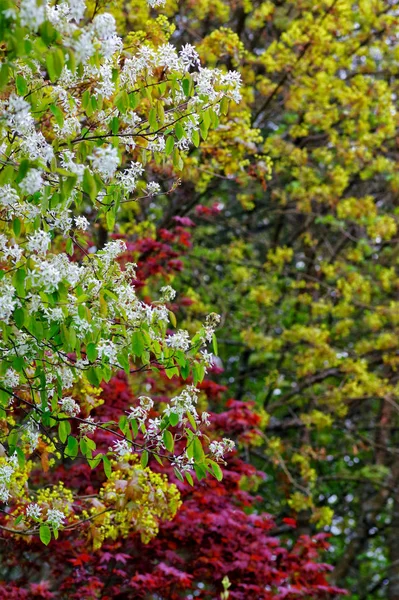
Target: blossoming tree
[82, 113]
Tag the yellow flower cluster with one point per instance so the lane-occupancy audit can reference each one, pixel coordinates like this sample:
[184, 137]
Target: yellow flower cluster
[132, 499]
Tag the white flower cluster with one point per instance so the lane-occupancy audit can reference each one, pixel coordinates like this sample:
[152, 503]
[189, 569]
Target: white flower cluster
[128, 178]
[39, 242]
[7, 469]
[55, 518]
[13, 253]
[34, 511]
[105, 161]
[11, 379]
[153, 188]
[8, 301]
[31, 434]
[179, 340]
[184, 403]
[183, 463]
[88, 427]
[141, 412]
[168, 293]
[121, 448]
[219, 449]
[153, 428]
[211, 322]
[69, 406]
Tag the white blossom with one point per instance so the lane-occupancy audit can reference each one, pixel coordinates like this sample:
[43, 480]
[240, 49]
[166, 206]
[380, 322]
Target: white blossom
[184, 403]
[84, 47]
[153, 429]
[128, 177]
[35, 145]
[168, 293]
[141, 412]
[179, 340]
[70, 128]
[183, 463]
[218, 449]
[88, 426]
[32, 434]
[153, 188]
[8, 303]
[156, 3]
[82, 223]
[69, 406]
[18, 115]
[32, 182]
[104, 25]
[39, 242]
[121, 448]
[107, 349]
[112, 250]
[8, 196]
[105, 161]
[67, 161]
[11, 378]
[34, 511]
[189, 57]
[32, 14]
[205, 418]
[55, 518]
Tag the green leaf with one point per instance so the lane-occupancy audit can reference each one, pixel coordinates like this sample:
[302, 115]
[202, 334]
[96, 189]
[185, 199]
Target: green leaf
[54, 63]
[16, 225]
[110, 218]
[189, 478]
[72, 448]
[115, 125]
[64, 429]
[21, 86]
[137, 343]
[216, 470]
[171, 372]
[180, 133]
[192, 421]
[58, 114]
[19, 317]
[94, 462]
[198, 450]
[89, 185]
[47, 33]
[195, 136]
[200, 471]
[45, 534]
[91, 351]
[173, 419]
[186, 86]
[215, 344]
[4, 74]
[123, 423]
[178, 474]
[170, 142]
[69, 246]
[203, 130]
[107, 467]
[168, 440]
[122, 101]
[144, 459]
[21, 457]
